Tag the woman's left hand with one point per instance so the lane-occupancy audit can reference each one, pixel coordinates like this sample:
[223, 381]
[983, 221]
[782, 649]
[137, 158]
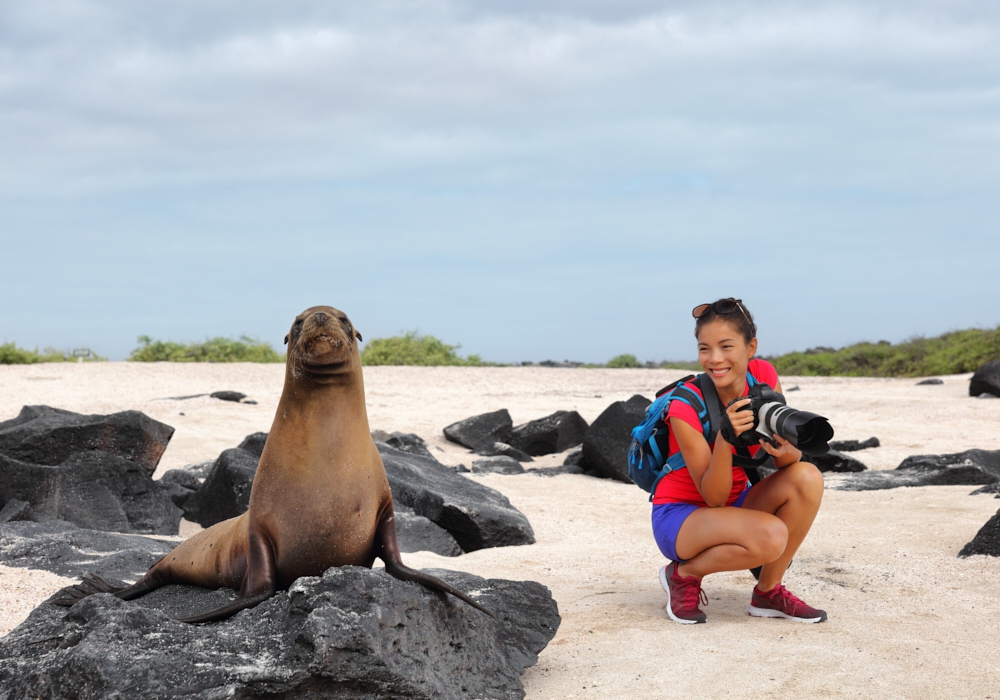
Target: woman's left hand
[784, 454]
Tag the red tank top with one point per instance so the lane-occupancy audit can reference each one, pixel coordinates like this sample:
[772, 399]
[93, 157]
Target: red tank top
[678, 486]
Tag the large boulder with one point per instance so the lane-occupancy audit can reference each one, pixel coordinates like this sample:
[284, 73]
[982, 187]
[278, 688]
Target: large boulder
[407, 442]
[351, 633]
[972, 468]
[480, 430]
[551, 434]
[415, 533]
[226, 491]
[986, 541]
[180, 485]
[70, 551]
[834, 461]
[986, 380]
[95, 490]
[45, 435]
[475, 515]
[606, 443]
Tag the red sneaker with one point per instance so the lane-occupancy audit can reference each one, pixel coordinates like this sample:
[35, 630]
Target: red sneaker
[781, 603]
[683, 596]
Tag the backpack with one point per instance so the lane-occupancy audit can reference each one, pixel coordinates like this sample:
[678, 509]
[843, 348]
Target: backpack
[647, 460]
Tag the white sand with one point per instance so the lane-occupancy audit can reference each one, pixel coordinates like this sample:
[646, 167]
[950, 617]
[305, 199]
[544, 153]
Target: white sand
[908, 619]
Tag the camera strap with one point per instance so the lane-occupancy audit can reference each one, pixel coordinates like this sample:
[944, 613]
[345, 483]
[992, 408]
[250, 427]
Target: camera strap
[713, 403]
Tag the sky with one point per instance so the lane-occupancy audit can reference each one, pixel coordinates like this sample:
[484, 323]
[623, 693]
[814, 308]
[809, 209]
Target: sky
[550, 179]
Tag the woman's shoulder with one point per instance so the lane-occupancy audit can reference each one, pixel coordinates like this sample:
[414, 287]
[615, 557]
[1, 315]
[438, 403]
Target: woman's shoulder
[763, 371]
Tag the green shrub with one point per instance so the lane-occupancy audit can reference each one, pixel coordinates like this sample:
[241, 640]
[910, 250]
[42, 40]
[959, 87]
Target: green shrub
[951, 353]
[623, 361]
[412, 348]
[11, 354]
[242, 349]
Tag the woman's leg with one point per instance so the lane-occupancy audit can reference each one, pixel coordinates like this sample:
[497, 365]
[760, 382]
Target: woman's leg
[793, 494]
[728, 539]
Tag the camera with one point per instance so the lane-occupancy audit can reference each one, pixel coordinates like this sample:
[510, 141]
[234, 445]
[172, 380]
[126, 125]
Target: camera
[809, 432]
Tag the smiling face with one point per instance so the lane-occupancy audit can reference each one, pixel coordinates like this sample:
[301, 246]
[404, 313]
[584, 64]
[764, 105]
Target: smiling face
[724, 355]
[321, 344]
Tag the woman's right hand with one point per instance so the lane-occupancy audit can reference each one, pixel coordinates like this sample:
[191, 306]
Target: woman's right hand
[741, 420]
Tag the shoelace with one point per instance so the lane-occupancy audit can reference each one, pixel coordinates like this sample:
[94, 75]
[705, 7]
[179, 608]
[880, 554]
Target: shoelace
[784, 598]
[692, 594]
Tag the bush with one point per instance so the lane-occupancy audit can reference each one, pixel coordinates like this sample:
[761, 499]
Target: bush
[11, 354]
[623, 361]
[412, 348]
[243, 349]
[951, 353]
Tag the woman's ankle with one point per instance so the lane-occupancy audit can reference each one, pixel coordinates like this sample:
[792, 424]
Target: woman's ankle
[684, 571]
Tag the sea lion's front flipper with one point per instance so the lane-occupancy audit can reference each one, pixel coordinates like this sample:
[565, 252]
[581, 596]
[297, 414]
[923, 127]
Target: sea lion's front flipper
[259, 582]
[385, 540]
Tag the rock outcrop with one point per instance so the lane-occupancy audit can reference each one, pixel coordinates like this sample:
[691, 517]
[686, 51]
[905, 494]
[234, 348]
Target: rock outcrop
[972, 468]
[480, 430]
[986, 541]
[606, 443]
[986, 380]
[49, 436]
[351, 633]
[554, 433]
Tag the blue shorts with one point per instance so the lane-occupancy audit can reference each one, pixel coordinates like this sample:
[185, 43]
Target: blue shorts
[667, 521]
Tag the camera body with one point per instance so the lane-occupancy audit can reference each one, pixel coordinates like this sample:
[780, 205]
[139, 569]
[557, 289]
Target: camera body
[807, 431]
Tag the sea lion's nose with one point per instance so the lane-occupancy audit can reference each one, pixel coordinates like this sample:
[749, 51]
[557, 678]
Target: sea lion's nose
[320, 317]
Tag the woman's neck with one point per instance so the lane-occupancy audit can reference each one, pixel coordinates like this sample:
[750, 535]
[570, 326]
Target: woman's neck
[733, 391]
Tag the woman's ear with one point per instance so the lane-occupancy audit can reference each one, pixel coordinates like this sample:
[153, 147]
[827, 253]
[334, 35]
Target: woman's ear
[752, 347]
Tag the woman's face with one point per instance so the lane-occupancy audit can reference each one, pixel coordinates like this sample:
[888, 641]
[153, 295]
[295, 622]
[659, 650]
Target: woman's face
[723, 353]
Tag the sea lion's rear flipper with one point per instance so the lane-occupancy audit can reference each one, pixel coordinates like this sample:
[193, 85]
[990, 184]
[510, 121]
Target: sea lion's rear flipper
[388, 552]
[259, 582]
[90, 584]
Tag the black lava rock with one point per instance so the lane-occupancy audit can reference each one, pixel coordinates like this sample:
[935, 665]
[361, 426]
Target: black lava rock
[16, 511]
[934, 381]
[352, 633]
[234, 396]
[415, 533]
[180, 484]
[67, 550]
[556, 471]
[502, 449]
[606, 443]
[551, 434]
[497, 465]
[45, 435]
[475, 515]
[574, 457]
[226, 491]
[834, 461]
[854, 445]
[406, 442]
[986, 541]
[972, 468]
[479, 430]
[986, 380]
[95, 490]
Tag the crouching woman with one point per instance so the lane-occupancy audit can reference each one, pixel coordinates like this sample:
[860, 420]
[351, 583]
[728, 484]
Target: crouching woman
[706, 517]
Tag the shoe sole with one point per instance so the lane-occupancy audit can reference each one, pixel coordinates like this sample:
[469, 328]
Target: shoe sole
[770, 612]
[666, 589]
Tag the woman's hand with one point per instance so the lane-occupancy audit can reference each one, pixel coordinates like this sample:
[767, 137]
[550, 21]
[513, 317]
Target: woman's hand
[741, 420]
[784, 454]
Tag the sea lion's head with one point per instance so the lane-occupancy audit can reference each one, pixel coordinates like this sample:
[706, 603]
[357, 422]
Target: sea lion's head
[322, 344]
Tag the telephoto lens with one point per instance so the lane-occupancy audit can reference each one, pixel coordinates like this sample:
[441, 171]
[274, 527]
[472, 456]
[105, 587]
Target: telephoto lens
[809, 432]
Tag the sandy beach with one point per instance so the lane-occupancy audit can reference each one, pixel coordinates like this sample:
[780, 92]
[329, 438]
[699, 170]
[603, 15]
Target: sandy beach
[908, 619]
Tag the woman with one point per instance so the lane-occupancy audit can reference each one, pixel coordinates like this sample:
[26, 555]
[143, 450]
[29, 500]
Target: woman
[705, 517]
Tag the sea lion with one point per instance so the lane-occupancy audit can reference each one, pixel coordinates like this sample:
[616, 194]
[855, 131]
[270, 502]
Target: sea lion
[320, 497]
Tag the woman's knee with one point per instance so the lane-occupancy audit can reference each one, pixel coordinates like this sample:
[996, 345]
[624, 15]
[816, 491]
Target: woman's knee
[771, 539]
[807, 480]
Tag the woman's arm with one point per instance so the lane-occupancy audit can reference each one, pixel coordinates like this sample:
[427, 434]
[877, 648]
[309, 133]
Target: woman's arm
[711, 470]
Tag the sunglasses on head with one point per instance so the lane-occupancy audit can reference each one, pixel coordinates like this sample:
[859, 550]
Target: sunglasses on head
[723, 307]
